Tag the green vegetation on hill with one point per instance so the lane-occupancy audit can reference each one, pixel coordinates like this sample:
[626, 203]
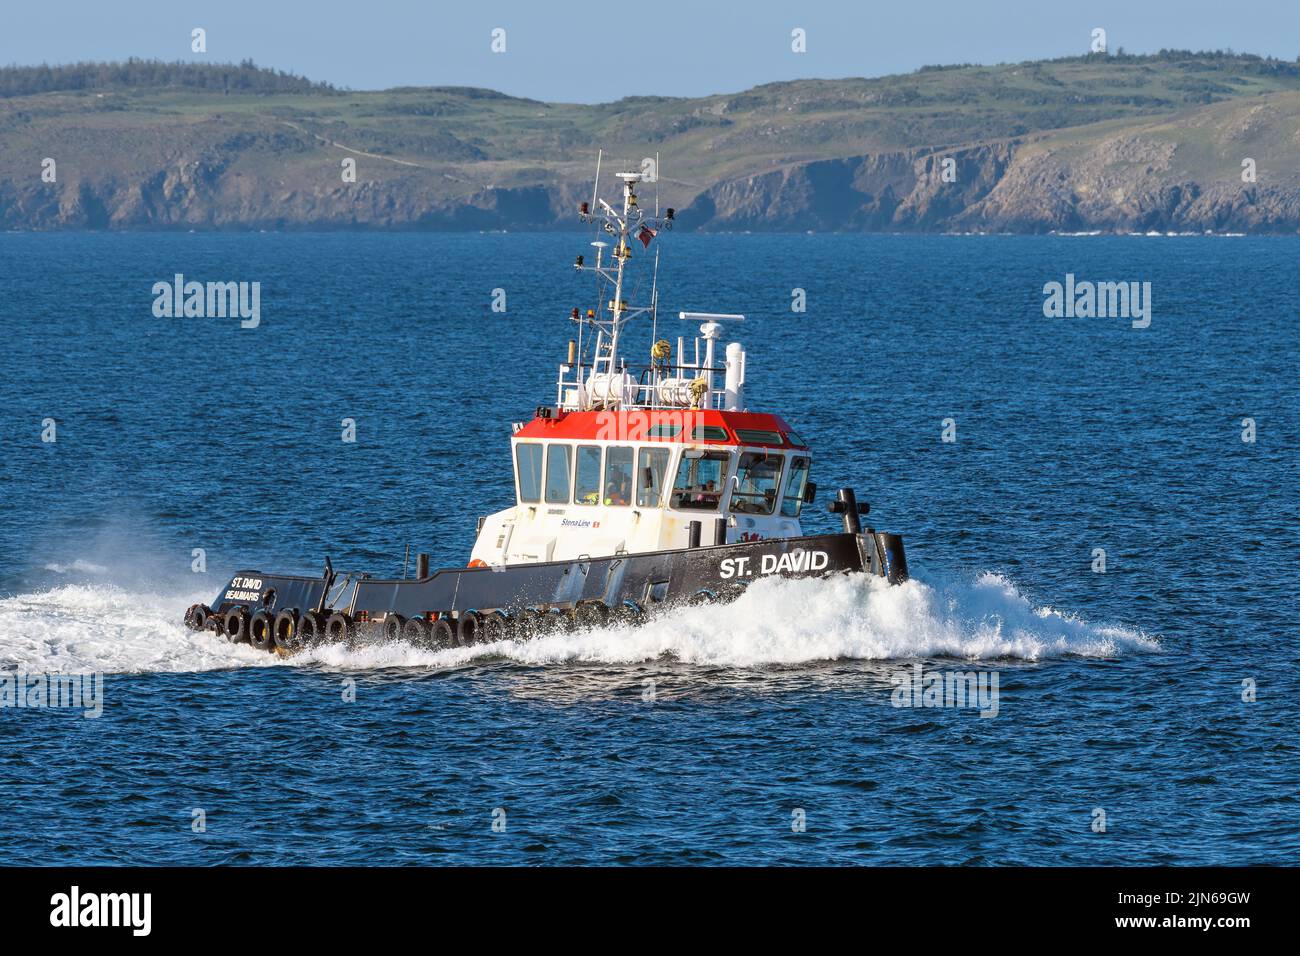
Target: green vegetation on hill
[136, 74]
[1106, 141]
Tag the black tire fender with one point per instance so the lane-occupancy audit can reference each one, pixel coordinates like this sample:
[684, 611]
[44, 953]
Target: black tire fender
[393, 627]
[528, 623]
[196, 618]
[469, 628]
[443, 635]
[339, 628]
[591, 614]
[416, 632]
[285, 632]
[629, 612]
[311, 629]
[496, 627]
[261, 630]
[236, 625]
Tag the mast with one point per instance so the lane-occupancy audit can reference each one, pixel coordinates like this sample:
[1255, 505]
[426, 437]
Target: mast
[623, 225]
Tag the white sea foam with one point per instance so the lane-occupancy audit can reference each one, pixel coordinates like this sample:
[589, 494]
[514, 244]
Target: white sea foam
[783, 622]
[84, 567]
[101, 627]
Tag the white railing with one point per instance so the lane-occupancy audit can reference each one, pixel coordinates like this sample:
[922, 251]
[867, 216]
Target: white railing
[655, 387]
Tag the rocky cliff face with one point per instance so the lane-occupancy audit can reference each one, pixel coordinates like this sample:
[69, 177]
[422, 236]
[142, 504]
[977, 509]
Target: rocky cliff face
[885, 191]
[1060, 146]
[1123, 185]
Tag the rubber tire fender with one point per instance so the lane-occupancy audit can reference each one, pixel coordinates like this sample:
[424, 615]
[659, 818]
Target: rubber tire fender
[591, 614]
[261, 630]
[393, 626]
[416, 632]
[551, 621]
[629, 612]
[311, 629]
[443, 635]
[496, 627]
[469, 628]
[236, 625]
[527, 622]
[196, 618]
[285, 632]
[339, 628]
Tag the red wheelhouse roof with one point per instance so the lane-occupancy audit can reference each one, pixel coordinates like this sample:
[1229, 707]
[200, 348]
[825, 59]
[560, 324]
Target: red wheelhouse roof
[666, 425]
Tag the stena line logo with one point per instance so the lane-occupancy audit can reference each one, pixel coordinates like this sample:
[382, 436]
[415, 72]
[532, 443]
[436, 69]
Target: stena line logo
[103, 909]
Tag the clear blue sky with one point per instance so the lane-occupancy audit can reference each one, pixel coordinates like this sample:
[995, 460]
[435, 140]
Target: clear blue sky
[602, 50]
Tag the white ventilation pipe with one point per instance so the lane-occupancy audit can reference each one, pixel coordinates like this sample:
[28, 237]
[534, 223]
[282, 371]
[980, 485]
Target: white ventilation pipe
[712, 332]
[735, 390]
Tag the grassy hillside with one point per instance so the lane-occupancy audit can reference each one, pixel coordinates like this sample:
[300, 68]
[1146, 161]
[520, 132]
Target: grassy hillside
[158, 145]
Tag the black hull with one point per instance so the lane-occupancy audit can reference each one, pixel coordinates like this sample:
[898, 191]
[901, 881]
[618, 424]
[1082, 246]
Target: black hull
[641, 580]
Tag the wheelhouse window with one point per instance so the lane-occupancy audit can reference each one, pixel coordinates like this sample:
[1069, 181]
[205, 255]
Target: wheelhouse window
[792, 503]
[586, 483]
[663, 430]
[528, 465]
[709, 433]
[699, 480]
[758, 436]
[618, 476]
[557, 474]
[758, 477]
[652, 464]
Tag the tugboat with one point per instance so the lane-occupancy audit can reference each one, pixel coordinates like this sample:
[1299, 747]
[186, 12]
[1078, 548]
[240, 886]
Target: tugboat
[642, 487]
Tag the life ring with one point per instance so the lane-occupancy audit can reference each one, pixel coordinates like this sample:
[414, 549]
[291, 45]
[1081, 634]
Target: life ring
[477, 563]
[469, 628]
[261, 634]
[236, 625]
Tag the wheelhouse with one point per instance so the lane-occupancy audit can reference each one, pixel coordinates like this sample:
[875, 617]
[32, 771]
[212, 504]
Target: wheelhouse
[699, 468]
[633, 458]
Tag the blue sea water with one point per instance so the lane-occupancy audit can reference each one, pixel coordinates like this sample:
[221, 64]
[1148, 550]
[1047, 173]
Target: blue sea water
[704, 736]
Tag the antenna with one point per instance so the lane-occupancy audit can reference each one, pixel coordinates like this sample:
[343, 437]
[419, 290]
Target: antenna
[656, 196]
[710, 317]
[654, 287]
[625, 223]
